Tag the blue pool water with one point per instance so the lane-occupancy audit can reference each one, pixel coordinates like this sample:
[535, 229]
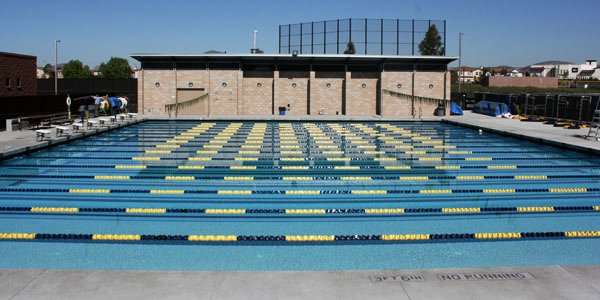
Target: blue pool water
[275, 179]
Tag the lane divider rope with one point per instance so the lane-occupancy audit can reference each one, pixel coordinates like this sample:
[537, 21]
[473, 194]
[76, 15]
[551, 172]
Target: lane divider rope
[304, 211]
[301, 192]
[164, 238]
[290, 178]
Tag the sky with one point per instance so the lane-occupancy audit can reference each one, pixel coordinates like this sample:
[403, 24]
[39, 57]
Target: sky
[509, 32]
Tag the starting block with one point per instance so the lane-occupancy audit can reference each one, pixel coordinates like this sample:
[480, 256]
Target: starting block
[91, 123]
[40, 134]
[60, 130]
[103, 121]
[77, 126]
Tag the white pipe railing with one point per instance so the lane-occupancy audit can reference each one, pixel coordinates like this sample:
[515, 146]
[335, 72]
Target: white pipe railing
[180, 105]
[421, 100]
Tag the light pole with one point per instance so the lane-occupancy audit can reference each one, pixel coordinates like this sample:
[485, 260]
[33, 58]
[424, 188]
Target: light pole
[56, 66]
[460, 73]
[253, 51]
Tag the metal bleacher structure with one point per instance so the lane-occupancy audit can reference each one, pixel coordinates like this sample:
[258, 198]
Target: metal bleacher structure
[566, 110]
[594, 125]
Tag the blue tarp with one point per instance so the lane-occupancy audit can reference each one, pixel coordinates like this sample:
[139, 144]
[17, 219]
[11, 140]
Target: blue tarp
[501, 98]
[455, 109]
[490, 108]
[114, 102]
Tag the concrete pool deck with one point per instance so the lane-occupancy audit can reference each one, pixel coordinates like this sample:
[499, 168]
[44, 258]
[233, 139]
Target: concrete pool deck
[535, 131]
[548, 282]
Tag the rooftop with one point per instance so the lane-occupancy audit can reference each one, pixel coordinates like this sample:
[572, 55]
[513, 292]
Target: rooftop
[17, 55]
[553, 62]
[586, 73]
[465, 68]
[290, 57]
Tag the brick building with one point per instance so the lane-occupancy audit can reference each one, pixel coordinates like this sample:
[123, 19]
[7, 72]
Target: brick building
[352, 85]
[18, 74]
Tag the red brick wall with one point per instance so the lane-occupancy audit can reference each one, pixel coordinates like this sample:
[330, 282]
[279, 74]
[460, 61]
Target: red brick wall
[15, 66]
[539, 82]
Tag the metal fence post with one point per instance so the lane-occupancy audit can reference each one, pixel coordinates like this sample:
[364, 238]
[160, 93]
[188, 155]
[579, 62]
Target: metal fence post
[413, 37]
[366, 32]
[381, 50]
[338, 36]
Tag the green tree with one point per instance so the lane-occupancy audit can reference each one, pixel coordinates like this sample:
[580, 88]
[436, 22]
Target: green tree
[432, 43]
[49, 70]
[484, 80]
[350, 48]
[76, 69]
[503, 71]
[115, 68]
[454, 76]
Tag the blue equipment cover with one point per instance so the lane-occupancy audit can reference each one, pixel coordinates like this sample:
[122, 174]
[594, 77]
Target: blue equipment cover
[114, 102]
[455, 109]
[491, 108]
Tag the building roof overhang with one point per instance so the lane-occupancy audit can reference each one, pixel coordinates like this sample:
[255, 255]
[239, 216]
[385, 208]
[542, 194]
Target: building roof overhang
[295, 59]
[17, 55]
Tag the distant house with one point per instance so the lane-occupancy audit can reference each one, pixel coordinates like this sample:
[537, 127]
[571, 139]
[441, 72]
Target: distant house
[501, 70]
[467, 74]
[59, 71]
[97, 74]
[596, 74]
[535, 71]
[516, 73]
[562, 69]
[215, 52]
[589, 74]
[471, 75]
[549, 68]
[96, 71]
[40, 74]
[505, 71]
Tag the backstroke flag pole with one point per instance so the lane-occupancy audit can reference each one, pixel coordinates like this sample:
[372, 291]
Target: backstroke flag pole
[69, 106]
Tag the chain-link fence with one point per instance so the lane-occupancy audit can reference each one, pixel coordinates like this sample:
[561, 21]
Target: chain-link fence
[369, 36]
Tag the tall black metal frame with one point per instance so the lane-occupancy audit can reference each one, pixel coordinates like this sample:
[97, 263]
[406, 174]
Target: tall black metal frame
[401, 33]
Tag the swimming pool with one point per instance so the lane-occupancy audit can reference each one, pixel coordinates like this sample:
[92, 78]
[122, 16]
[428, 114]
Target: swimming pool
[190, 195]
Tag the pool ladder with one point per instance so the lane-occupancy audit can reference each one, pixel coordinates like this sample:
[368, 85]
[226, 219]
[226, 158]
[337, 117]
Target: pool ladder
[420, 113]
[595, 124]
